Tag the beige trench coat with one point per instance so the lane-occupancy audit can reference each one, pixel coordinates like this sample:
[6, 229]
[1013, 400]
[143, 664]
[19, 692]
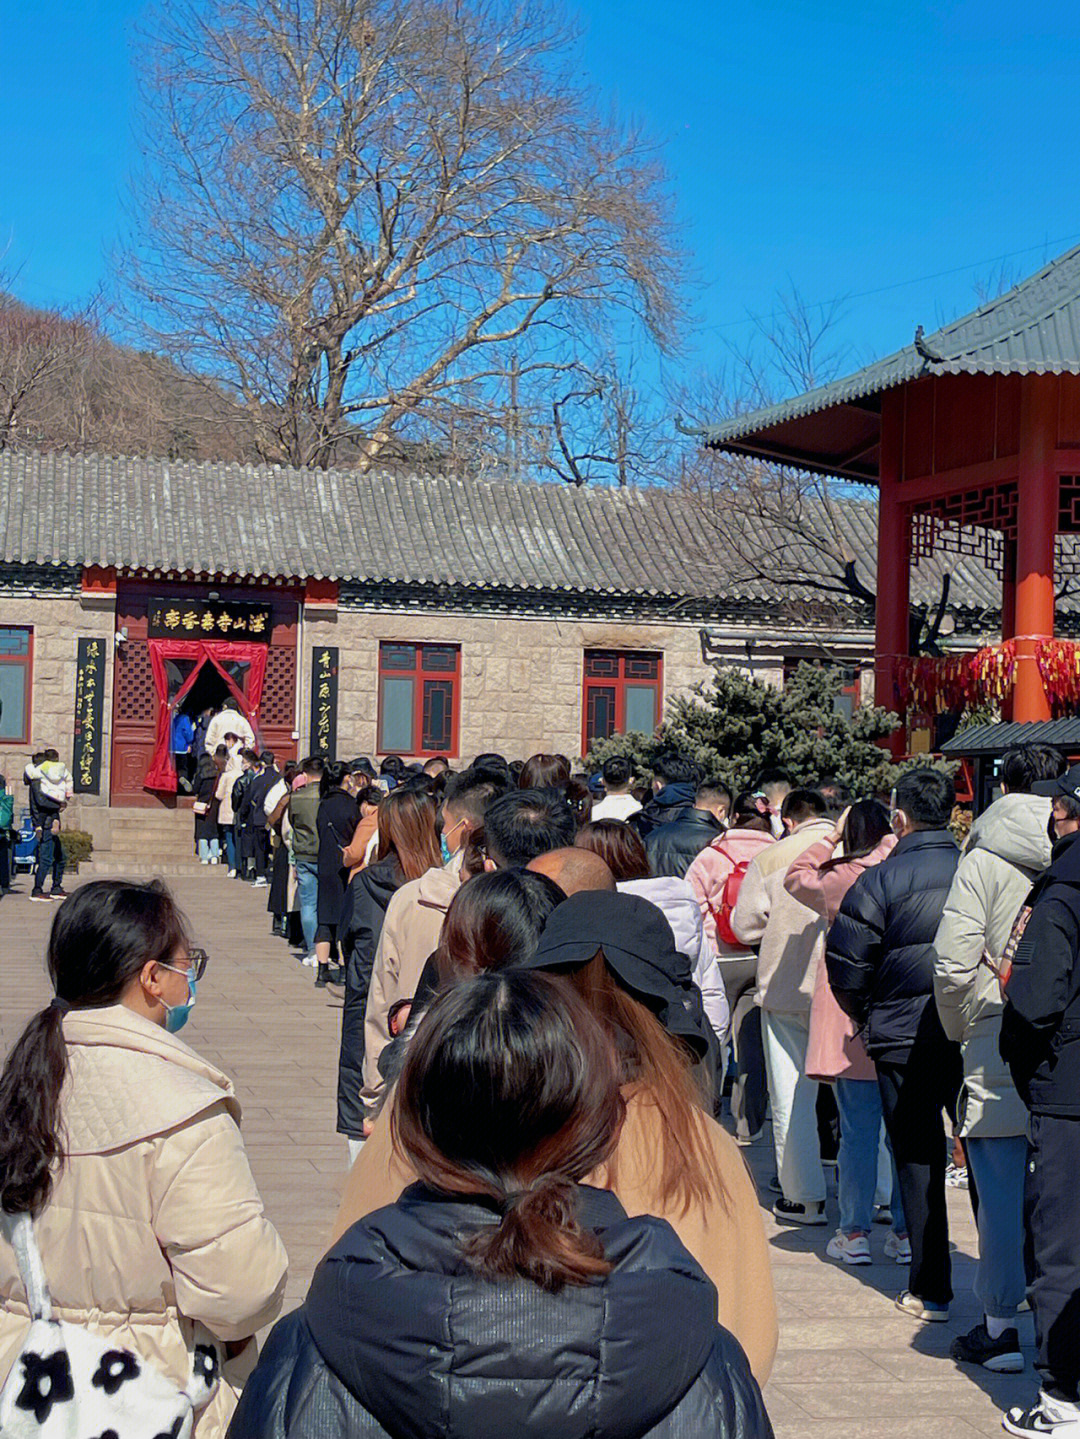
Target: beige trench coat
[154, 1220]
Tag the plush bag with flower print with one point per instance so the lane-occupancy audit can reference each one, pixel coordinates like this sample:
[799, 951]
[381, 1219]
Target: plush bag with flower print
[69, 1383]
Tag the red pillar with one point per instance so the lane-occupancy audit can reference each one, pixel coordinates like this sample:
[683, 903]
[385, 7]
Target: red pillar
[1008, 607]
[1036, 531]
[893, 567]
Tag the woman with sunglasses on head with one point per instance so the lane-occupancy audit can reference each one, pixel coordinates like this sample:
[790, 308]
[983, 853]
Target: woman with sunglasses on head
[124, 1146]
[502, 1294]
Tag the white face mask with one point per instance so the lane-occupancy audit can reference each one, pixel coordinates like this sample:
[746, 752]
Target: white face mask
[776, 824]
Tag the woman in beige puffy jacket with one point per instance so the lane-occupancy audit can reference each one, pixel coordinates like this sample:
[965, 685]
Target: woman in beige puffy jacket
[125, 1146]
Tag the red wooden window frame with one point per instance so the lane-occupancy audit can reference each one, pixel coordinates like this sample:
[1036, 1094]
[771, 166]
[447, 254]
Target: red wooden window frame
[619, 665]
[425, 675]
[27, 663]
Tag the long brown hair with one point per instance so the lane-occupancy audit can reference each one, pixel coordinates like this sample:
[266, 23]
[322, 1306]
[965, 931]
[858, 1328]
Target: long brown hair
[620, 847]
[510, 1092]
[100, 939]
[659, 1064]
[494, 921]
[407, 829]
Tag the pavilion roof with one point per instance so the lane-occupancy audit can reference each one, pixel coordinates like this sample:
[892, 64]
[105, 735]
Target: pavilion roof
[835, 429]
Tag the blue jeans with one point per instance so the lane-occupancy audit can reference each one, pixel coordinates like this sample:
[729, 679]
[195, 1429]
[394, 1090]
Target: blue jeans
[307, 894]
[228, 834]
[209, 848]
[859, 1103]
[50, 857]
[998, 1166]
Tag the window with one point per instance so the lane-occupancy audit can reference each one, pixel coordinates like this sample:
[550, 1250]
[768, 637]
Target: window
[418, 699]
[622, 693]
[16, 659]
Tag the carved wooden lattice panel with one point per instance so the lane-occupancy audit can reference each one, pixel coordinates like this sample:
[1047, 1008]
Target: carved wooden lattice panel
[278, 705]
[975, 522]
[135, 701]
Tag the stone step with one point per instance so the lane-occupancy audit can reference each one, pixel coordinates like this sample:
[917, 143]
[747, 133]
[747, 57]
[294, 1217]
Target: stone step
[111, 866]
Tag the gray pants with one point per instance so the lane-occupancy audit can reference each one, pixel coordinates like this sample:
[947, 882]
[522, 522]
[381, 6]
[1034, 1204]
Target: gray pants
[749, 1092]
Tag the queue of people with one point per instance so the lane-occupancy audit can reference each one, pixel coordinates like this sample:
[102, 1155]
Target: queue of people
[548, 994]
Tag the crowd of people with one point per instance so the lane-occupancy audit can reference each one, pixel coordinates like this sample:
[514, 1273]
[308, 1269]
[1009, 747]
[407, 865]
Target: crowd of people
[560, 992]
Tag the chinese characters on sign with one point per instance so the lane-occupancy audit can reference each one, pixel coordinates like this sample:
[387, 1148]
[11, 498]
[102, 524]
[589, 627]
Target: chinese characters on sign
[89, 707]
[210, 619]
[324, 693]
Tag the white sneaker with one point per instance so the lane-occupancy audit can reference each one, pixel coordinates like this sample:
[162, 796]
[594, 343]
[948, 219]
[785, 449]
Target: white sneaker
[232, 873]
[204, 861]
[851, 1248]
[897, 1248]
[1047, 1416]
[261, 884]
[310, 961]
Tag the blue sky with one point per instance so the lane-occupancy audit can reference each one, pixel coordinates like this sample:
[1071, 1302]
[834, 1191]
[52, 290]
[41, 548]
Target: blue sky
[846, 147]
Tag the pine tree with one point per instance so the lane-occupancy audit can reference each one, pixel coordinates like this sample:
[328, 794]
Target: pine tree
[735, 726]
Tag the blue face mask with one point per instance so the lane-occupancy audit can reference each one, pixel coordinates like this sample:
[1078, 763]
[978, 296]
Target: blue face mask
[176, 1015]
[444, 850]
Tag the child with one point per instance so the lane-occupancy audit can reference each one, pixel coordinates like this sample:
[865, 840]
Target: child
[53, 776]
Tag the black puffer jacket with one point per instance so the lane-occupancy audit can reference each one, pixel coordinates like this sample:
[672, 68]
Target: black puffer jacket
[667, 804]
[1040, 1026]
[362, 913]
[880, 949]
[398, 1337]
[673, 847]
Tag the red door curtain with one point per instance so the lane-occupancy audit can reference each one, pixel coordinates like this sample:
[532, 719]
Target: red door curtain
[161, 776]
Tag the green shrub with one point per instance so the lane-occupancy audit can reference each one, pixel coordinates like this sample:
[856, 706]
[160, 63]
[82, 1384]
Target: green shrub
[77, 845]
[735, 725]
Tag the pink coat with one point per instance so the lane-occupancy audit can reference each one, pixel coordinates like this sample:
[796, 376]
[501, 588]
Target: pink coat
[834, 1050]
[709, 873]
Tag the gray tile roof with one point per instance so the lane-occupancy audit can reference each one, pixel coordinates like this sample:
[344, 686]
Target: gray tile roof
[995, 739]
[383, 529]
[1033, 329]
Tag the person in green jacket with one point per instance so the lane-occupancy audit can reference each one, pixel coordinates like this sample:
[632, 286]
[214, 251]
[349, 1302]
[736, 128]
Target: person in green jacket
[7, 835]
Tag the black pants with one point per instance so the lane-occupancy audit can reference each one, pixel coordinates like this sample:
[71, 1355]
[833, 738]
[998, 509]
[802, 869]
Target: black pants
[1052, 1218]
[246, 850]
[50, 862]
[260, 850]
[913, 1096]
[749, 1092]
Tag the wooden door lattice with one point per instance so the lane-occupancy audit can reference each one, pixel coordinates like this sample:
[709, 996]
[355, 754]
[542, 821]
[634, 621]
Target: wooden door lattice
[135, 697]
[277, 709]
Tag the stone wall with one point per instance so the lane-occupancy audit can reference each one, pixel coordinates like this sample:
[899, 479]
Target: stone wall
[59, 618]
[521, 678]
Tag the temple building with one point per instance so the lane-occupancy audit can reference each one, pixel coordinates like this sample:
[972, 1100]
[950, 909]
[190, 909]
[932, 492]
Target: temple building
[374, 614]
[971, 436]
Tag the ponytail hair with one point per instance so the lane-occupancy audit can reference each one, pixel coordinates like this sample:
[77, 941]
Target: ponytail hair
[510, 1093]
[100, 939]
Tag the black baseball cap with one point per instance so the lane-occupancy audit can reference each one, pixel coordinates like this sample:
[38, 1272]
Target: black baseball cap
[1066, 785]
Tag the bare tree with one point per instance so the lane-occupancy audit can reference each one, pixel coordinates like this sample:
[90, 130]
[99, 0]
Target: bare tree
[789, 530]
[353, 213]
[39, 350]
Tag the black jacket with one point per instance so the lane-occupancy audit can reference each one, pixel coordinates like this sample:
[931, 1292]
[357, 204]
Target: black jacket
[43, 809]
[880, 949]
[397, 1337]
[668, 804]
[255, 799]
[362, 915]
[673, 847]
[1040, 1026]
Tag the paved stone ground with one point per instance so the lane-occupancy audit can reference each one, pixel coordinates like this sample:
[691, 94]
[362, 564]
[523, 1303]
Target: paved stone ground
[849, 1363]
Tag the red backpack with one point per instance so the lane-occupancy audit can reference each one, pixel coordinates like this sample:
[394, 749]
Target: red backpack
[728, 898]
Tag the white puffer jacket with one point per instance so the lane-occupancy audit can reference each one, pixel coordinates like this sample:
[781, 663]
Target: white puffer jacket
[1007, 849]
[678, 903]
